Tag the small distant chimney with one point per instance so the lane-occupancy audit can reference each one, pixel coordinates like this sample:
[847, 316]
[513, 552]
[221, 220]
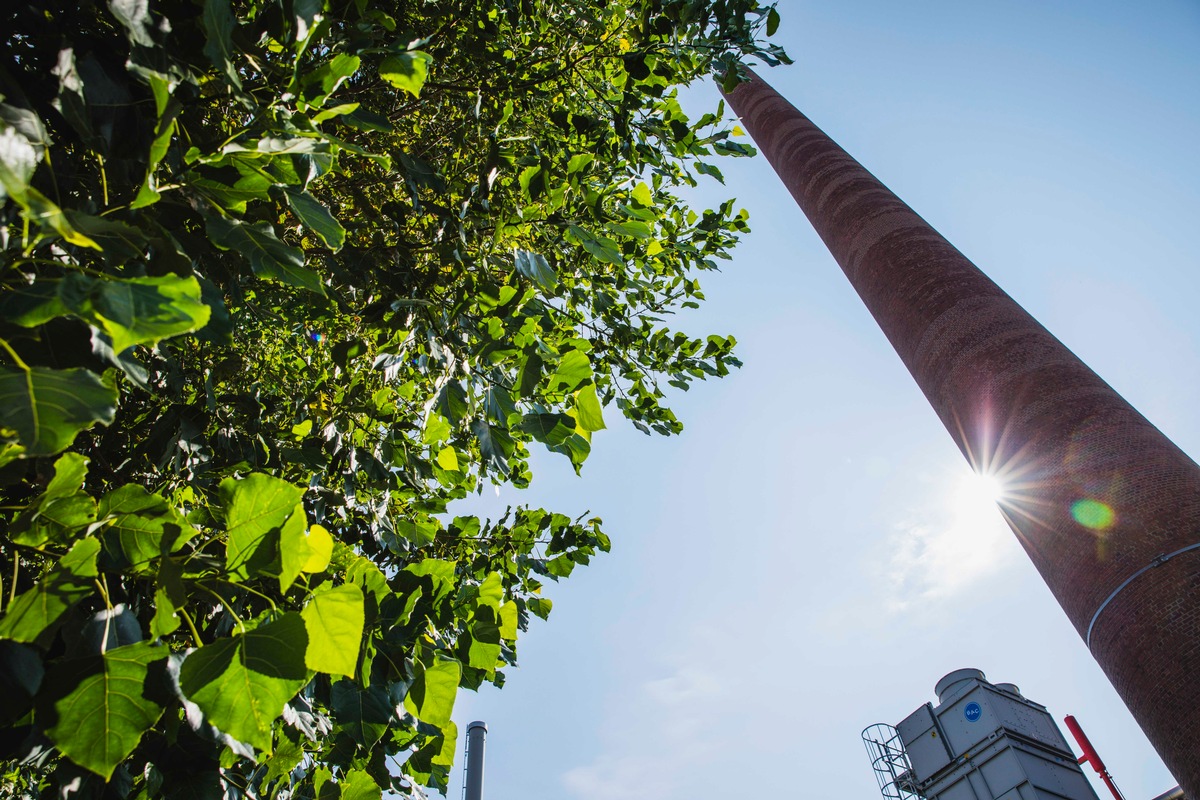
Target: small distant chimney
[473, 772]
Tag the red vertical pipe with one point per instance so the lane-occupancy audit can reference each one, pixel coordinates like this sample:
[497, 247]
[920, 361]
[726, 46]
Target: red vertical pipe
[1090, 756]
[1106, 506]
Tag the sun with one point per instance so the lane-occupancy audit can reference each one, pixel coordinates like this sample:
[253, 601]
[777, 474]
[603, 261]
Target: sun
[976, 498]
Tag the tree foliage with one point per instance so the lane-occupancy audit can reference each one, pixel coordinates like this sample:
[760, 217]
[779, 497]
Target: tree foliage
[281, 280]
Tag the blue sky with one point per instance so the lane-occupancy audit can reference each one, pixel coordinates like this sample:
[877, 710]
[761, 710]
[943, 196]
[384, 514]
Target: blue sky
[808, 558]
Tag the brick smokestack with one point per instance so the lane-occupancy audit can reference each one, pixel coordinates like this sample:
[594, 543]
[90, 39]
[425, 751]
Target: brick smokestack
[1106, 506]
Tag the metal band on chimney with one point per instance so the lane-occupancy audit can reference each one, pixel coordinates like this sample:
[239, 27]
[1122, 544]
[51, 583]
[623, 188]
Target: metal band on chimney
[1158, 562]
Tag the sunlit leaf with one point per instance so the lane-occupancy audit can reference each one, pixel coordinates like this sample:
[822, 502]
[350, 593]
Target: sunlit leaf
[591, 417]
[242, 682]
[334, 620]
[268, 257]
[138, 311]
[431, 698]
[96, 709]
[316, 218]
[48, 407]
[35, 614]
[320, 545]
[257, 506]
[406, 71]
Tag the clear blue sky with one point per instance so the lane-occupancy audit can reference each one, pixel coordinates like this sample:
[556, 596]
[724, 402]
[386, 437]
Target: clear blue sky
[805, 560]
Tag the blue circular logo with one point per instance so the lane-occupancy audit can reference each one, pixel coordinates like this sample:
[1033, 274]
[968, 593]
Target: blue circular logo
[973, 712]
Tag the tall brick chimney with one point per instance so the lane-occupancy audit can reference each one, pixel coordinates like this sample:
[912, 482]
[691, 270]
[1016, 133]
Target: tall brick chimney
[1105, 505]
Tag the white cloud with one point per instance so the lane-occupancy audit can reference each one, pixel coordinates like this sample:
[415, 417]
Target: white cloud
[662, 738]
[951, 543]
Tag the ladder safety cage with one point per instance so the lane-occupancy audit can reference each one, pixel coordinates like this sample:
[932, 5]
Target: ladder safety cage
[889, 760]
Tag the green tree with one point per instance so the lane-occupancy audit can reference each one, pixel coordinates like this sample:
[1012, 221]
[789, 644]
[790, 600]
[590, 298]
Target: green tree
[280, 280]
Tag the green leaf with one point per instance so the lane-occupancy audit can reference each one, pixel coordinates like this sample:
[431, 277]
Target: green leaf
[579, 162]
[573, 369]
[540, 606]
[495, 444]
[61, 510]
[439, 571]
[169, 597]
[16, 167]
[587, 404]
[30, 306]
[363, 713]
[219, 24]
[437, 428]
[33, 616]
[533, 181]
[325, 80]
[334, 620]
[406, 71]
[96, 709]
[772, 21]
[419, 533]
[447, 459]
[358, 784]
[295, 548]
[137, 311]
[535, 267]
[119, 242]
[57, 520]
[242, 683]
[48, 407]
[709, 169]
[577, 448]
[634, 228]
[483, 652]
[491, 590]
[603, 248]
[141, 526]
[268, 257]
[431, 698]
[642, 196]
[508, 622]
[256, 506]
[560, 567]
[320, 550]
[70, 470]
[316, 217]
[531, 374]
[552, 429]
[168, 109]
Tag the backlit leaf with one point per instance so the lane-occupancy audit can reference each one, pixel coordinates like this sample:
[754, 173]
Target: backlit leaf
[334, 620]
[320, 545]
[256, 506]
[268, 257]
[138, 310]
[96, 709]
[34, 615]
[48, 407]
[406, 71]
[431, 698]
[587, 404]
[316, 217]
[242, 682]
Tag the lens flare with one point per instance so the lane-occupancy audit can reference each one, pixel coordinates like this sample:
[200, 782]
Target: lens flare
[1093, 514]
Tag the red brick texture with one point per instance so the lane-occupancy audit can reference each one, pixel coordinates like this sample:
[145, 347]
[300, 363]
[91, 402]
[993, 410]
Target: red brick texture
[1022, 406]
